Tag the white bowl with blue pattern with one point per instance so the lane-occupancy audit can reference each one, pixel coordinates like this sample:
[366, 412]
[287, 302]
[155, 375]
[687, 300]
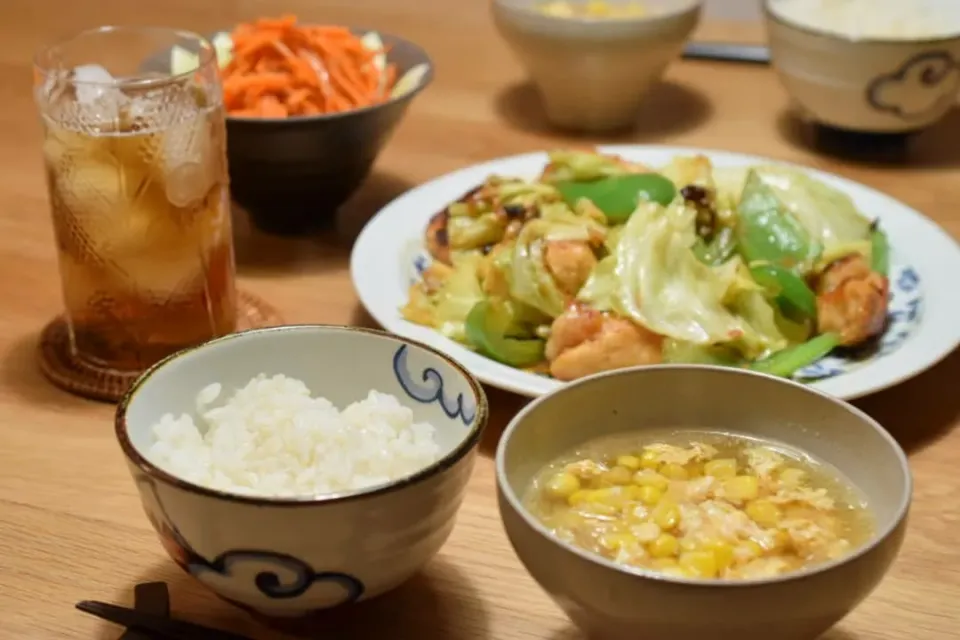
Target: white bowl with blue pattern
[923, 329]
[292, 557]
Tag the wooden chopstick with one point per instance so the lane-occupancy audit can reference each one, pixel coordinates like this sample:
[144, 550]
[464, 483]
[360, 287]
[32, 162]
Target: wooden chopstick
[154, 625]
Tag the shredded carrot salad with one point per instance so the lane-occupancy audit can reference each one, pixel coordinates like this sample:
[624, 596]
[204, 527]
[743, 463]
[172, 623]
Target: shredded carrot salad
[280, 69]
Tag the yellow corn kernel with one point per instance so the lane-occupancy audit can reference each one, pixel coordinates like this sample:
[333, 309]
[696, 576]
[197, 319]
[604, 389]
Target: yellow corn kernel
[617, 476]
[649, 495]
[689, 544]
[792, 478]
[649, 460]
[666, 514]
[617, 541]
[664, 546]
[702, 564]
[611, 496]
[741, 488]
[722, 552]
[646, 532]
[563, 485]
[580, 497]
[721, 468]
[695, 469]
[748, 550]
[628, 462]
[648, 478]
[674, 471]
[764, 513]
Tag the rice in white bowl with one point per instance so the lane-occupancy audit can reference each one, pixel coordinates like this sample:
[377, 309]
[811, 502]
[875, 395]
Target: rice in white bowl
[272, 438]
[893, 19]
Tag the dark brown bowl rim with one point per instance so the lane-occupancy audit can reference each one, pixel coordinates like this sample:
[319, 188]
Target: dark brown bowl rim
[446, 462]
[773, 17]
[323, 117]
[900, 514]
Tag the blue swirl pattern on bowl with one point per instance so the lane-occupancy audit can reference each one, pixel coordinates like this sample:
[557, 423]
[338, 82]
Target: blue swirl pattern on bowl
[905, 315]
[430, 389]
[300, 576]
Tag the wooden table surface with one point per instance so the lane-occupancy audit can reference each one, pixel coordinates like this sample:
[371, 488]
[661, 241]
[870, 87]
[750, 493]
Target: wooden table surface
[71, 525]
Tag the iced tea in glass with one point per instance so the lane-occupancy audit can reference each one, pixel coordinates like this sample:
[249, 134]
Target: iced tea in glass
[136, 169]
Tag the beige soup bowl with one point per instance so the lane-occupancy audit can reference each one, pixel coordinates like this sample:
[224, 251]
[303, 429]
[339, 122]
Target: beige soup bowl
[291, 557]
[617, 603]
[869, 85]
[593, 73]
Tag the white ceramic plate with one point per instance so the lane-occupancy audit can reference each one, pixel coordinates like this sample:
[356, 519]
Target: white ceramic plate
[925, 299]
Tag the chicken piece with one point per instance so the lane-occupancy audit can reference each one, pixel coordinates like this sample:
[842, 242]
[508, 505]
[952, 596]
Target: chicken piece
[585, 341]
[437, 238]
[570, 262]
[437, 234]
[852, 300]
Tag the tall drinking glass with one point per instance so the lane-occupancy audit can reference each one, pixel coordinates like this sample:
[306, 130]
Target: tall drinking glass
[137, 176]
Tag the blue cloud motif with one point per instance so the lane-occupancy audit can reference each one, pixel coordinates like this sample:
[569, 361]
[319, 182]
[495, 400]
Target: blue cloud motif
[923, 84]
[430, 389]
[281, 576]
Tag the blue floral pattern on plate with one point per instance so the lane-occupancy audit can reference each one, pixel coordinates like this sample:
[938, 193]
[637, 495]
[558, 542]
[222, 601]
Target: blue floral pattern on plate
[430, 388]
[904, 317]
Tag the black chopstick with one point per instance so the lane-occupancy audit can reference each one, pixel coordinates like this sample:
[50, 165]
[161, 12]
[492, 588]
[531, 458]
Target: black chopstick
[158, 626]
[152, 598]
[727, 52]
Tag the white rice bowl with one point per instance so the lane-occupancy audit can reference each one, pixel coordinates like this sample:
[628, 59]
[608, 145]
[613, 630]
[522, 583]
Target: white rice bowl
[272, 438]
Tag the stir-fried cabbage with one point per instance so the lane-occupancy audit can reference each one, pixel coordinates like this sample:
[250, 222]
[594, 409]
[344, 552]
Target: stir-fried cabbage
[655, 279]
[530, 280]
[582, 166]
[446, 308]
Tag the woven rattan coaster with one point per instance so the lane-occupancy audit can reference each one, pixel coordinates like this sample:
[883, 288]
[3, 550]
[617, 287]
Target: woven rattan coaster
[68, 372]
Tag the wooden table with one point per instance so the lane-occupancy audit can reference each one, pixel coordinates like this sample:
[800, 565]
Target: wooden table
[71, 525]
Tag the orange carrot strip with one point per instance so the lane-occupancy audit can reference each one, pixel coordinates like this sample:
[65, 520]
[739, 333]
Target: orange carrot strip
[283, 69]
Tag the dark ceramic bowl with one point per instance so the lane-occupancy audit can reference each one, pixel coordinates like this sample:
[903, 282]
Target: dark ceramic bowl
[291, 175]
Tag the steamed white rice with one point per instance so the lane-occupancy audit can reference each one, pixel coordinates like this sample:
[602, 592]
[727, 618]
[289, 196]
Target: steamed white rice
[273, 438]
[894, 19]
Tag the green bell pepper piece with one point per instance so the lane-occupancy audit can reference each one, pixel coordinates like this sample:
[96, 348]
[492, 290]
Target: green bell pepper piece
[617, 197]
[767, 232]
[486, 328]
[879, 251]
[790, 292]
[787, 362]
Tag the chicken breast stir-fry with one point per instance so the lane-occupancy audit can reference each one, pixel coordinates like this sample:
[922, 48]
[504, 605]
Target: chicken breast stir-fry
[852, 300]
[570, 262]
[585, 341]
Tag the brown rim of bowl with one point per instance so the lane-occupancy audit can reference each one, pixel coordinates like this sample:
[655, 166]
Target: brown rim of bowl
[901, 511]
[443, 464]
[529, 9]
[408, 95]
[773, 17]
